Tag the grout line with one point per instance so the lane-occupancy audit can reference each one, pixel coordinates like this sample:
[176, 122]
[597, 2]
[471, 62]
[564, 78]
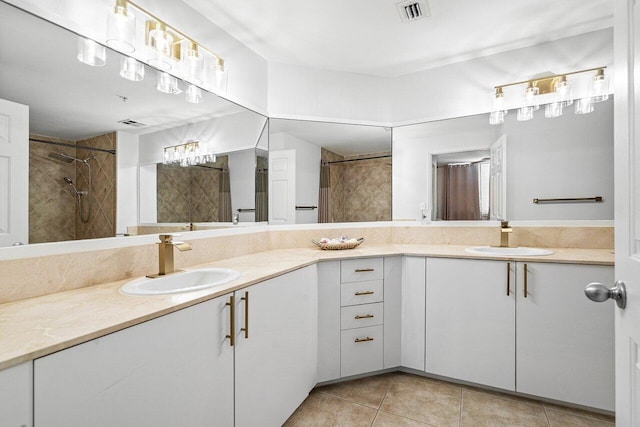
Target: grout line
[460, 408]
[546, 415]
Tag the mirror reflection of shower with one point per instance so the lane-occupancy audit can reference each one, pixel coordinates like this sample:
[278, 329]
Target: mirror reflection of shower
[82, 207]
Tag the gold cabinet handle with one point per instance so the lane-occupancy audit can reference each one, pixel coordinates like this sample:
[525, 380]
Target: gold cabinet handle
[245, 298]
[508, 278]
[232, 323]
[363, 339]
[366, 316]
[364, 293]
[525, 281]
[364, 270]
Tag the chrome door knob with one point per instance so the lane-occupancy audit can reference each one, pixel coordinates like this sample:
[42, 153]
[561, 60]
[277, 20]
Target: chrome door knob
[600, 293]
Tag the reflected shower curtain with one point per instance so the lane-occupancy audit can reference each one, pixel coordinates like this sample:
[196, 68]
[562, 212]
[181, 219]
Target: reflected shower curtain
[224, 197]
[262, 195]
[324, 208]
[460, 192]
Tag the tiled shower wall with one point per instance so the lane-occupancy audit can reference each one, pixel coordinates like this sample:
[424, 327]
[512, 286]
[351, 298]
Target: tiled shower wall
[360, 190]
[189, 194]
[53, 208]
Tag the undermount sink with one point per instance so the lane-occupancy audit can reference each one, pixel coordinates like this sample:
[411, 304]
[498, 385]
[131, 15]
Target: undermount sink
[499, 251]
[184, 281]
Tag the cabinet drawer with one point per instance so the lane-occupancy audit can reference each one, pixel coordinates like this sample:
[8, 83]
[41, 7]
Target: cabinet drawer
[358, 270]
[360, 316]
[361, 350]
[361, 292]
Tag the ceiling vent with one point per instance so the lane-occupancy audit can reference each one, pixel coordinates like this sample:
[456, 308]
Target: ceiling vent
[133, 123]
[413, 10]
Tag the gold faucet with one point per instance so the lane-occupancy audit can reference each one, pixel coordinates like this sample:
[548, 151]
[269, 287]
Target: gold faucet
[505, 230]
[165, 254]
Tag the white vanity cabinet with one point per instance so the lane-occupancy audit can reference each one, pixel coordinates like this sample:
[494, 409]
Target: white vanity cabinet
[276, 347]
[413, 313]
[565, 345]
[359, 316]
[16, 396]
[175, 370]
[470, 321]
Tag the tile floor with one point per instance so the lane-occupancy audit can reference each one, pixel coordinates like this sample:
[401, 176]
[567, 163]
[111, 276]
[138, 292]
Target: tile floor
[399, 399]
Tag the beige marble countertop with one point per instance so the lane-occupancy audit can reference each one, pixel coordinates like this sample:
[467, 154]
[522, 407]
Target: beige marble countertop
[40, 326]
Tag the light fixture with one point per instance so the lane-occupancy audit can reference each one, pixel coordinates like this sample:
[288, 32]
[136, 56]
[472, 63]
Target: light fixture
[194, 94]
[91, 53]
[167, 83]
[131, 69]
[556, 92]
[164, 47]
[121, 28]
[187, 154]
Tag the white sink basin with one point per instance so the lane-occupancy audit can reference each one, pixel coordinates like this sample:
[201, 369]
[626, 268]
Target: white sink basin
[498, 251]
[189, 280]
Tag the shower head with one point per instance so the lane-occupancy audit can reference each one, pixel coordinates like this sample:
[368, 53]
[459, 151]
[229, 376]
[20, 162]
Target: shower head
[61, 156]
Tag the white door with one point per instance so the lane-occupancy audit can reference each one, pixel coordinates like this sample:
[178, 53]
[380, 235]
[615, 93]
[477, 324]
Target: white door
[498, 179]
[14, 173]
[627, 208]
[282, 187]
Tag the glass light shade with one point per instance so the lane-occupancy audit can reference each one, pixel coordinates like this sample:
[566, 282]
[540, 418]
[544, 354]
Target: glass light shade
[121, 28]
[167, 84]
[131, 69]
[217, 77]
[160, 47]
[584, 106]
[192, 64]
[553, 110]
[194, 94]
[531, 97]
[91, 53]
[525, 113]
[562, 92]
[496, 117]
[600, 87]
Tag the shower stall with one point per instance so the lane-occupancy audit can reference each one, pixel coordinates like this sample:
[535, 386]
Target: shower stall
[71, 188]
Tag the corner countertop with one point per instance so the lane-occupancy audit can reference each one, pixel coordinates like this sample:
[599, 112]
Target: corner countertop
[40, 326]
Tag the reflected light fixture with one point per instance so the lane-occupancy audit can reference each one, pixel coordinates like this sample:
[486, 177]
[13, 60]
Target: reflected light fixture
[131, 69]
[194, 94]
[121, 28]
[187, 154]
[91, 53]
[167, 83]
[559, 96]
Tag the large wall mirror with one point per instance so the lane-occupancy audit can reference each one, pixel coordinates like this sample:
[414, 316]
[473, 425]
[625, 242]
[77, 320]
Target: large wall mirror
[334, 172]
[96, 143]
[541, 169]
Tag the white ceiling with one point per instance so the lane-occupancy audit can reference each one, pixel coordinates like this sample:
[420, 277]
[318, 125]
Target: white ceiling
[367, 36]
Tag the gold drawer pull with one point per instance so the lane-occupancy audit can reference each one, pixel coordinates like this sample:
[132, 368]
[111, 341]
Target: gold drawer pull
[364, 270]
[364, 293]
[232, 320]
[366, 316]
[364, 339]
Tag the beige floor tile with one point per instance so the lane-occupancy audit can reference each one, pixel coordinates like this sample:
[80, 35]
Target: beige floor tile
[324, 410]
[368, 391]
[422, 399]
[566, 419]
[389, 420]
[490, 409]
[580, 412]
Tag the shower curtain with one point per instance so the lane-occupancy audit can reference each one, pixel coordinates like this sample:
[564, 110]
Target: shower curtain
[224, 197]
[262, 195]
[458, 186]
[324, 209]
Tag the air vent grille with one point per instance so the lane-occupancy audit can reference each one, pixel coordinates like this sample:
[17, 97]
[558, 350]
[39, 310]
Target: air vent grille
[413, 10]
[130, 122]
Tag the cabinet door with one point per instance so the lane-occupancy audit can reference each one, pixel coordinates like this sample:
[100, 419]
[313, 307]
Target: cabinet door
[565, 345]
[276, 364]
[470, 321]
[392, 310]
[328, 321]
[413, 312]
[16, 395]
[176, 370]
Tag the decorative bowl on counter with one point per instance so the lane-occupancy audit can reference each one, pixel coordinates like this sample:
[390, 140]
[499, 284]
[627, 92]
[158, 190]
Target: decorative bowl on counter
[337, 244]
